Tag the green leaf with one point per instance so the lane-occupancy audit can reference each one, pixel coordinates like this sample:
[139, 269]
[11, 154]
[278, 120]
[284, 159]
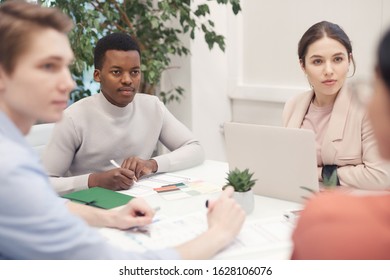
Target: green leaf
[202, 10]
[155, 23]
[241, 181]
[235, 6]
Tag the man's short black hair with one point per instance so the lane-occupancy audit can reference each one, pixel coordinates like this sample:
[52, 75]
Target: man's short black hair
[113, 41]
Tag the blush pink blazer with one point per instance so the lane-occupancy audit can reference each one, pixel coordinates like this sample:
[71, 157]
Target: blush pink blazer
[349, 141]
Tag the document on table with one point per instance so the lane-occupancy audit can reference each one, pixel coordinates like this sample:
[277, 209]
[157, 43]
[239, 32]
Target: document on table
[256, 235]
[171, 186]
[145, 186]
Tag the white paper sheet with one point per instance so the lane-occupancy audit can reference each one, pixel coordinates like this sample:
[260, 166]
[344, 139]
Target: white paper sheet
[256, 235]
[145, 186]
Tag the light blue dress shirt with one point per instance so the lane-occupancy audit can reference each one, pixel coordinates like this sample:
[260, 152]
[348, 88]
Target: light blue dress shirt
[34, 222]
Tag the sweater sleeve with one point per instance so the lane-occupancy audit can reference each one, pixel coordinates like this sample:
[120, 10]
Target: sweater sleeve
[58, 156]
[185, 150]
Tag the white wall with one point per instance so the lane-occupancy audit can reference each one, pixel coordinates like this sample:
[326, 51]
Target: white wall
[180, 75]
[210, 85]
[259, 70]
[206, 104]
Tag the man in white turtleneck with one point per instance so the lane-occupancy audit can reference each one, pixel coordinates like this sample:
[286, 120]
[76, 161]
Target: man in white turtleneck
[118, 124]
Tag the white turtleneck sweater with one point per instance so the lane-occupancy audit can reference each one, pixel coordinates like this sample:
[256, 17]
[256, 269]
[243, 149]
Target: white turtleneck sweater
[94, 131]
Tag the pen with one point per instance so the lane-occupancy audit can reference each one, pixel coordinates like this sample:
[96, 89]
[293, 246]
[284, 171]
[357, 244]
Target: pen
[292, 216]
[289, 216]
[114, 163]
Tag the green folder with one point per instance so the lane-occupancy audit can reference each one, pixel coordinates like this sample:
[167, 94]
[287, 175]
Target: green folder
[99, 197]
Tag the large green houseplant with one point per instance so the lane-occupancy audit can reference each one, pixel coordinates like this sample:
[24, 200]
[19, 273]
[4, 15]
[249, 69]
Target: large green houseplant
[156, 25]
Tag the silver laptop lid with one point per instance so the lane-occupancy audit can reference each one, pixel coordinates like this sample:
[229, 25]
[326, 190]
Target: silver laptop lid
[282, 159]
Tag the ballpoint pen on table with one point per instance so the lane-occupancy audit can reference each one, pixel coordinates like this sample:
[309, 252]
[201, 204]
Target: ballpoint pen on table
[292, 215]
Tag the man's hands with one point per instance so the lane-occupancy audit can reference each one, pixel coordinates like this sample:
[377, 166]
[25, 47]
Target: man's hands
[225, 219]
[135, 213]
[140, 166]
[225, 216]
[116, 179]
[123, 178]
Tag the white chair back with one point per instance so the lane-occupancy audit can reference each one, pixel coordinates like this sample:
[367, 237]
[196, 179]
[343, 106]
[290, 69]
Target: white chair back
[39, 136]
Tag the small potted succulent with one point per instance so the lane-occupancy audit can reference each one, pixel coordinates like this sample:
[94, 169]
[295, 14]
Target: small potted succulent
[242, 183]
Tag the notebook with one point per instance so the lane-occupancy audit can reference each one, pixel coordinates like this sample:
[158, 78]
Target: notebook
[283, 159]
[99, 197]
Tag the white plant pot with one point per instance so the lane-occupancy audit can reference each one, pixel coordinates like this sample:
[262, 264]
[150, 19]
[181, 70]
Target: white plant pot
[246, 200]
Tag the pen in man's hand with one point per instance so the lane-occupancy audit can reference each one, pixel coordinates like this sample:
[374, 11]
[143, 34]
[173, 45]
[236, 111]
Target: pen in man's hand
[114, 163]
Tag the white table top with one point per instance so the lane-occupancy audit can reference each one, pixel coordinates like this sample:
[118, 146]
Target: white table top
[215, 172]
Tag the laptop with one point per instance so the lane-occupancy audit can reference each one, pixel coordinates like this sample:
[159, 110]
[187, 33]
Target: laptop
[283, 159]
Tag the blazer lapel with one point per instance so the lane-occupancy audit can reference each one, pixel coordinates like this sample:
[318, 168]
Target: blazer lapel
[336, 125]
[301, 109]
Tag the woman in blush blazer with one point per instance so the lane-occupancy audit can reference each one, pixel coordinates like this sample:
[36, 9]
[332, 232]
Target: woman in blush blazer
[346, 146]
[338, 225]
